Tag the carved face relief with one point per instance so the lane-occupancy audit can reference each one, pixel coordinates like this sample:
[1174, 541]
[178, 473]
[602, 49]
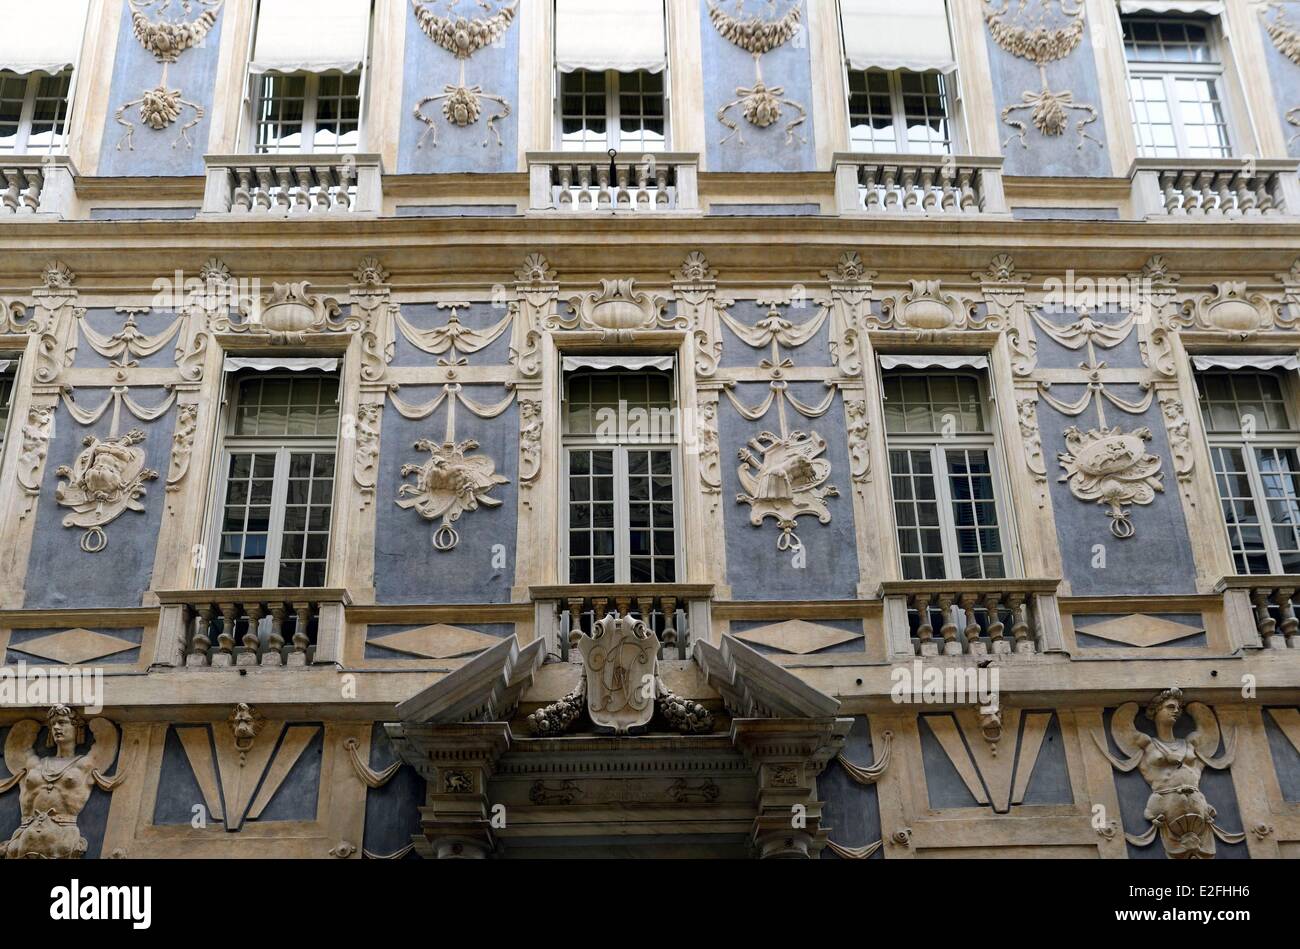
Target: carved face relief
[1113, 468]
[106, 480]
[450, 483]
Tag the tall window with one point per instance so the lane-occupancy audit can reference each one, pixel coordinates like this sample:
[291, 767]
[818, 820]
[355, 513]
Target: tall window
[612, 61]
[8, 370]
[278, 466]
[603, 110]
[1175, 79]
[900, 69]
[899, 111]
[1254, 444]
[34, 112]
[620, 464]
[306, 76]
[947, 497]
[307, 112]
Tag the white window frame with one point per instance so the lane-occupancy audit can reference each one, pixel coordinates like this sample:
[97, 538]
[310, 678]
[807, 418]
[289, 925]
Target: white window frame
[937, 445]
[310, 105]
[622, 518]
[613, 116]
[1170, 72]
[1288, 440]
[283, 446]
[21, 144]
[897, 114]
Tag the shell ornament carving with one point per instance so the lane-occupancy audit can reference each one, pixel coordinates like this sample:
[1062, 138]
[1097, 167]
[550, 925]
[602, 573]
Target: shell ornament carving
[759, 105]
[167, 39]
[462, 104]
[1048, 31]
[106, 480]
[450, 483]
[1113, 468]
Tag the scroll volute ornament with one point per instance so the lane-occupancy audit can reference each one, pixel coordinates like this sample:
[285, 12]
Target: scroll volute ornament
[618, 306]
[927, 307]
[1232, 309]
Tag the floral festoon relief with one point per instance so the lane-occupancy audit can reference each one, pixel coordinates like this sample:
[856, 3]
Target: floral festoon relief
[1172, 768]
[106, 480]
[1042, 32]
[760, 104]
[167, 39]
[54, 789]
[462, 105]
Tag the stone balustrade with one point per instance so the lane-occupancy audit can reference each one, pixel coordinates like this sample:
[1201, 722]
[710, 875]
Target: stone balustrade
[579, 182]
[1266, 603]
[37, 187]
[1215, 189]
[971, 617]
[918, 184]
[239, 628]
[678, 613]
[262, 186]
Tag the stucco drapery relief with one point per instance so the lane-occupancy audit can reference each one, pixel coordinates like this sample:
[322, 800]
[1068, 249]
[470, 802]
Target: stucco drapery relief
[760, 105]
[462, 105]
[167, 40]
[1042, 33]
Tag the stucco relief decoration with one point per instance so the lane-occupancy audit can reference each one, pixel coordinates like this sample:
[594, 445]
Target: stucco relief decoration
[1177, 809]
[106, 480]
[536, 291]
[695, 286]
[617, 308]
[53, 324]
[125, 348]
[783, 473]
[1285, 35]
[372, 305]
[463, 105]
[288, 313]
[167, 39]
[927, 308]
[452, 339]
[1004, 293]
[54, 789]
[1104, 464]
[450, 483]
[1233, 309]
[759, 105]
[1041, 32]
[865, 775]
[187, 420]
[365, 462]
[850, 305]
[33, 450]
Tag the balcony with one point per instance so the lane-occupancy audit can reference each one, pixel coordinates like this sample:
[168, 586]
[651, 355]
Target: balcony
[221, 629]
[924, 185]
[1215, 189]
[971, 617]
[677, 612]
[293, 186]
[592, 182]
[1268, 604]
[37, 187]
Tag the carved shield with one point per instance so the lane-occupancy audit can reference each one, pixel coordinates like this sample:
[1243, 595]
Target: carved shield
[620, 658]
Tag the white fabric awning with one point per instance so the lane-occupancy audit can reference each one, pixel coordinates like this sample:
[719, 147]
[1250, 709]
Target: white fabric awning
[331, 35]
[1206, 7]
[44, 37]
[625, 35]
[897, 34]
[4, 365]
[1258, 362]
[950, 361]
[280, 364]
[569, 363]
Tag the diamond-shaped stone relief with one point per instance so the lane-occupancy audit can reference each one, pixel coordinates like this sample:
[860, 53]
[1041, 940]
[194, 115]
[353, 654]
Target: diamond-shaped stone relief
[797, 636]
[74, 646]
[1139, 629]
[439, 641]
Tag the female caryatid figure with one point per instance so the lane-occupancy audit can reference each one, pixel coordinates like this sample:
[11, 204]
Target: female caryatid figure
[54, 789]
[1172, 766]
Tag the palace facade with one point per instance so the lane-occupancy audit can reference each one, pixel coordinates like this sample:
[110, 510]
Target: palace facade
[831, 428]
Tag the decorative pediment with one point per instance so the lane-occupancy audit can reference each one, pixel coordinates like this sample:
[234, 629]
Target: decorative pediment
[618, 306]
[485, 689]
[753, 686]
[927, 308]
[1232, 308]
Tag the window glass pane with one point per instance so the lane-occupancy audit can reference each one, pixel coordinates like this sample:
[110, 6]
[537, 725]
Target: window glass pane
[1243, 401]
[641, 112]
[916, 513]
[583, 110]
[974, 510]
[932, 403]
[280, 109]
[299, 405]
[338, 112]
[620, 406]
[245, 523]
